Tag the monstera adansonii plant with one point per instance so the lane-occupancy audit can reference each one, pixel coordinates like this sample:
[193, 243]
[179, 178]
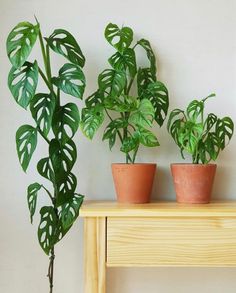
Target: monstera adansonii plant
[55, 123]
[130, 95]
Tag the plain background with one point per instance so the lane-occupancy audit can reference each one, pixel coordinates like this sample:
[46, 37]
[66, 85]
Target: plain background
[195, 44]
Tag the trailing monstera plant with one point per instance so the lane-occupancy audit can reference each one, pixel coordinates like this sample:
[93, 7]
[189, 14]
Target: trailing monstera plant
[55, 123]
[129, 95]
[203, 137]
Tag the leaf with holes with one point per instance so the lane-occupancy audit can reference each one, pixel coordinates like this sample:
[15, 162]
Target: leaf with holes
[123, 61]
[32, 194]
[209, 148]
[112, 82]
[176, 113]
[123, 103]
[62, 42]
[224, 131]
[112, 130]
[42, 108]
[26, 141]
[150, 54]
[210, 121]
[95, 99]
[20, 42]
[66, 122]
[92, 119]
[44, 168]
[195, 109]
[23, 82]
[146, 137]
[129, 143]
[119, 38]
[70, 80]
[66, 188]
[144, 78]
[70, 210]
[144, 115]
[47, 230]
[157, 94]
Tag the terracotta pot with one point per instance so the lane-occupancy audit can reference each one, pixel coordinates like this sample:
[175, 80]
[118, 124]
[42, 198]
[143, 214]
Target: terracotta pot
[133, 182]
[193, 182]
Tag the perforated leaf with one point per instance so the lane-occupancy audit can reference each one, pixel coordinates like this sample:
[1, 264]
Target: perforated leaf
[129, 143]
[42, 108]
[150, 54]
[210, 121]
[224, 131]
[146, 137]
[26, 141]
[195, 109]
[32, 194]
[209, 148]
[92, 119]
[44, 168]
[123, 103]
[176, 113]
[62, 42]
[112, 129]
[144, 78]
[70, 80]
[94, 99]
[66, 188]
[22, 83]
[112, 82]
[144, 115]
[20, 42]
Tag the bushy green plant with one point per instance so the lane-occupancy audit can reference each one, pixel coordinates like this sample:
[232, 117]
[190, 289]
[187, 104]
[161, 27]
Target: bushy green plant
[202, 137]
[56, 124]
[131, 110]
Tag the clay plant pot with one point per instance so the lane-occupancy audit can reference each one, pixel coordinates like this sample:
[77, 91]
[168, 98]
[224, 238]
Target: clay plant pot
[193, 182]
[133, 182]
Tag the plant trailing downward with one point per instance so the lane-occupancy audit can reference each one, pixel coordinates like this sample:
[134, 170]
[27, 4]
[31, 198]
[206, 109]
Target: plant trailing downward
[55, 123]
[202, 137]
[134, 111]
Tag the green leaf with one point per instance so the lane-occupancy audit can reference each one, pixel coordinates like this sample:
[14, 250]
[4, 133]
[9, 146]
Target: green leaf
[62, 42]
[26, 141]
[47, 230]
[70, 210]
[44, 168]
[150, 54]
[157, 94]
[66, 122]
[23, 82]
[112, 130]
[129, 143]
[144, 115]
[71, 80]
[20, 42]
[119, 38]
[66, 186]
[123, 103]
[195, 109]
[173, 115]
[112, 82]
[146, 137]
[123, 61]
[42, 108]
[224, 131]
[144, 78]
[32, 194]
[95, 99]
[92, 119]
[209, 148]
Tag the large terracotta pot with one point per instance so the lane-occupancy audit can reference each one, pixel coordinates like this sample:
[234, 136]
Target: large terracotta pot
[133, 182]
[193, 182]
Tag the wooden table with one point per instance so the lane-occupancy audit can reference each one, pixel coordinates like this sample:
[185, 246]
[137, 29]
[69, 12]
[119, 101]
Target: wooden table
[156, 234]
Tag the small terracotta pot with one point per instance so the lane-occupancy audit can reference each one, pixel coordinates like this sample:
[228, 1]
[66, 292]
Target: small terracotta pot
[193, 182]
[133, 182]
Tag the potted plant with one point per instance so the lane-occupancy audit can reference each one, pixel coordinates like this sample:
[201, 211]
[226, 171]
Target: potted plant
[55, 123]
[132, 99]
[203, 138]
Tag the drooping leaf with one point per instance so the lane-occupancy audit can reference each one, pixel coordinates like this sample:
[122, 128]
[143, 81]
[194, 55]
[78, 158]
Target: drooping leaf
[22, 83]
[92, 119]
[126, 60]
[150, 54]
[144, 78]
[42, 108]
[26, 141]
[119, 38]
[112, 82]
[146, 137]
[20, 42]
[66, 188]
[62, 42]
[47, 230]
[144, 115]
[32, 194]
[70, 80]
[70, 210]
[129, 143]
[224, 131]
[66, 122]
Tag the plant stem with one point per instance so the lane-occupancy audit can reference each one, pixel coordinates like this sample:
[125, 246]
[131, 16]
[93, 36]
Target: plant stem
[49, 194]
[51, 269]
[45, 79]
[42, 134]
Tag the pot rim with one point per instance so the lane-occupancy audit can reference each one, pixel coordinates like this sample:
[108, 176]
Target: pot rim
[133, 164]
[193, 165]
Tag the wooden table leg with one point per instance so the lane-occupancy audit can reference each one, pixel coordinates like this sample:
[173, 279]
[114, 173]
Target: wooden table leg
[95, 254]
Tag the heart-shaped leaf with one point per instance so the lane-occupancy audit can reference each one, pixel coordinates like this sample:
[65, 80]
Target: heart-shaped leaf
[144, 115]
[71, 80]
[32, 194]
[70, 210]
[66, 122]
[112, 129]
[224, 131]
[62, 42]
[119, 38]
[47, 230]
[150, 54]
[23, 82]
[112, 82]
[26, 141]
[144, 78]
[146, 137]
[92, 119]
[42, 108]
[20, 42]
[123, 61]
[66, 188]
[44, 168]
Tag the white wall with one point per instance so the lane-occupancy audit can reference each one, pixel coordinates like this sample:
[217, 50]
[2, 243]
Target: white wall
[196, 47]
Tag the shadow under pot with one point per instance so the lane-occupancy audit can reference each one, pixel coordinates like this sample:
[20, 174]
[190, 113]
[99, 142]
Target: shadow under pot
[193, 182]
[133, 182]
